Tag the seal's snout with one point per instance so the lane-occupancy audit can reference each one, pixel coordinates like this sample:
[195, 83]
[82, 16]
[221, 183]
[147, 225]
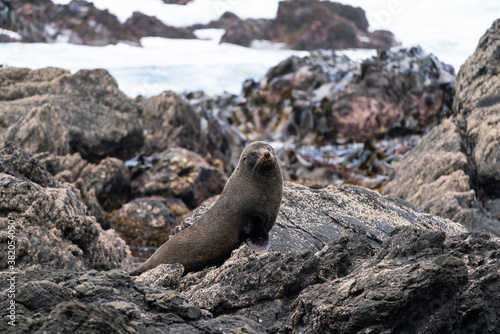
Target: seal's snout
[267, 154]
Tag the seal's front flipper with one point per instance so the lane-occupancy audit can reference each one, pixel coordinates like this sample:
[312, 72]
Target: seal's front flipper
[259, 245]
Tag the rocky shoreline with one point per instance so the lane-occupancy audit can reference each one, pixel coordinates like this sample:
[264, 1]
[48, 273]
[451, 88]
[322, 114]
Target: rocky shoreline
[86, 171]
[300, 25]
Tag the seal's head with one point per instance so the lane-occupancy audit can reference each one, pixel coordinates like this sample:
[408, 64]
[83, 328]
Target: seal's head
[259, 157]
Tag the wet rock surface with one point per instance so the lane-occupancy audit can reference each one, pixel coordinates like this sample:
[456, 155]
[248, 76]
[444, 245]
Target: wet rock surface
[454, 171]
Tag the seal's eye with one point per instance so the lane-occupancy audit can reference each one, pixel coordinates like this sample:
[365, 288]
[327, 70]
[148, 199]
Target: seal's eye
[269, 148]
[254, 154]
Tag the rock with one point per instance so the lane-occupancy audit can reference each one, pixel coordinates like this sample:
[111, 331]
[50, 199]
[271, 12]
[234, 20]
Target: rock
[311, 25]
[165, 275]
[40, 130]
[86, 318]
[305, 25]
[430, 278]
[179, 173]
[144, 25]
[244, 32]
[102, 187]
[177, 2]
[329, 99]
[309, 218]
[170, 120]
[454, 171]
[145, 222]
[408, 288]
[110, 181]
[98, 119]
[478, 82]
[52, 229]
[78, 22]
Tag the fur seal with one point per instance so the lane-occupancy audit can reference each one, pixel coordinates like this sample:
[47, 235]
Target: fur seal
[245, 211]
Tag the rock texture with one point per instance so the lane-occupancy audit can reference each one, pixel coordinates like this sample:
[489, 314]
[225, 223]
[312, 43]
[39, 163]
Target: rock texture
[454, 171]
[144, 25]
[325, 98]
[305, 25]
[97, 121]
[309, 218]
[79, 22]
[145, 222]
[170, 120]
[180, 173]
[417, 281]
[52, 227]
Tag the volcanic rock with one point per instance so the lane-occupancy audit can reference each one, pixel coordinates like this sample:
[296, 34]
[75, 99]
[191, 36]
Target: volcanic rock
[454, 171]
[52, 228]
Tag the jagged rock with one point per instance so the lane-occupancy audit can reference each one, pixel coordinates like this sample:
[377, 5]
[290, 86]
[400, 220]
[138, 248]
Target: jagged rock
[428, 279]
[145, 222]
[98, 119]
[454, 171]
[78, 22]
[305, 25]
[329, 99]
[309, 218]
[179, 173]
[144, 25]
[170, 120]
[165, 275]
[102, 187]
[311, 25]
[51, 224]
[177, 2]
[110, 180]
[407, 285]
[40, 130]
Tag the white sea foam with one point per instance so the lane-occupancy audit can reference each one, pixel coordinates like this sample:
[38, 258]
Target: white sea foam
[448, 29]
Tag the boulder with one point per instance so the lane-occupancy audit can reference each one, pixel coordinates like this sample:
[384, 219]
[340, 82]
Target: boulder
[52, 228]
[97, 119]
[180, 173]
[170, 120]
[305, 25]
[143, 25]
[145, 222]
[312, 25]
[78, 22]
[103, 187]
[417, 280]
[309, 218]
[454, 171]
[325, 98]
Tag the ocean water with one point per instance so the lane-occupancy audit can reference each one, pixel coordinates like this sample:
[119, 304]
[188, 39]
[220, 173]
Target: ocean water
[448, 29]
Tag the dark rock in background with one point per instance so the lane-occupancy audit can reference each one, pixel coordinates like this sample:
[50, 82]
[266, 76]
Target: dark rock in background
[99, 119]
[79, 22]
[145, 222]
[179, 173]
[454, 172]
[144, 25]
[305, 25]
[311, 25]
